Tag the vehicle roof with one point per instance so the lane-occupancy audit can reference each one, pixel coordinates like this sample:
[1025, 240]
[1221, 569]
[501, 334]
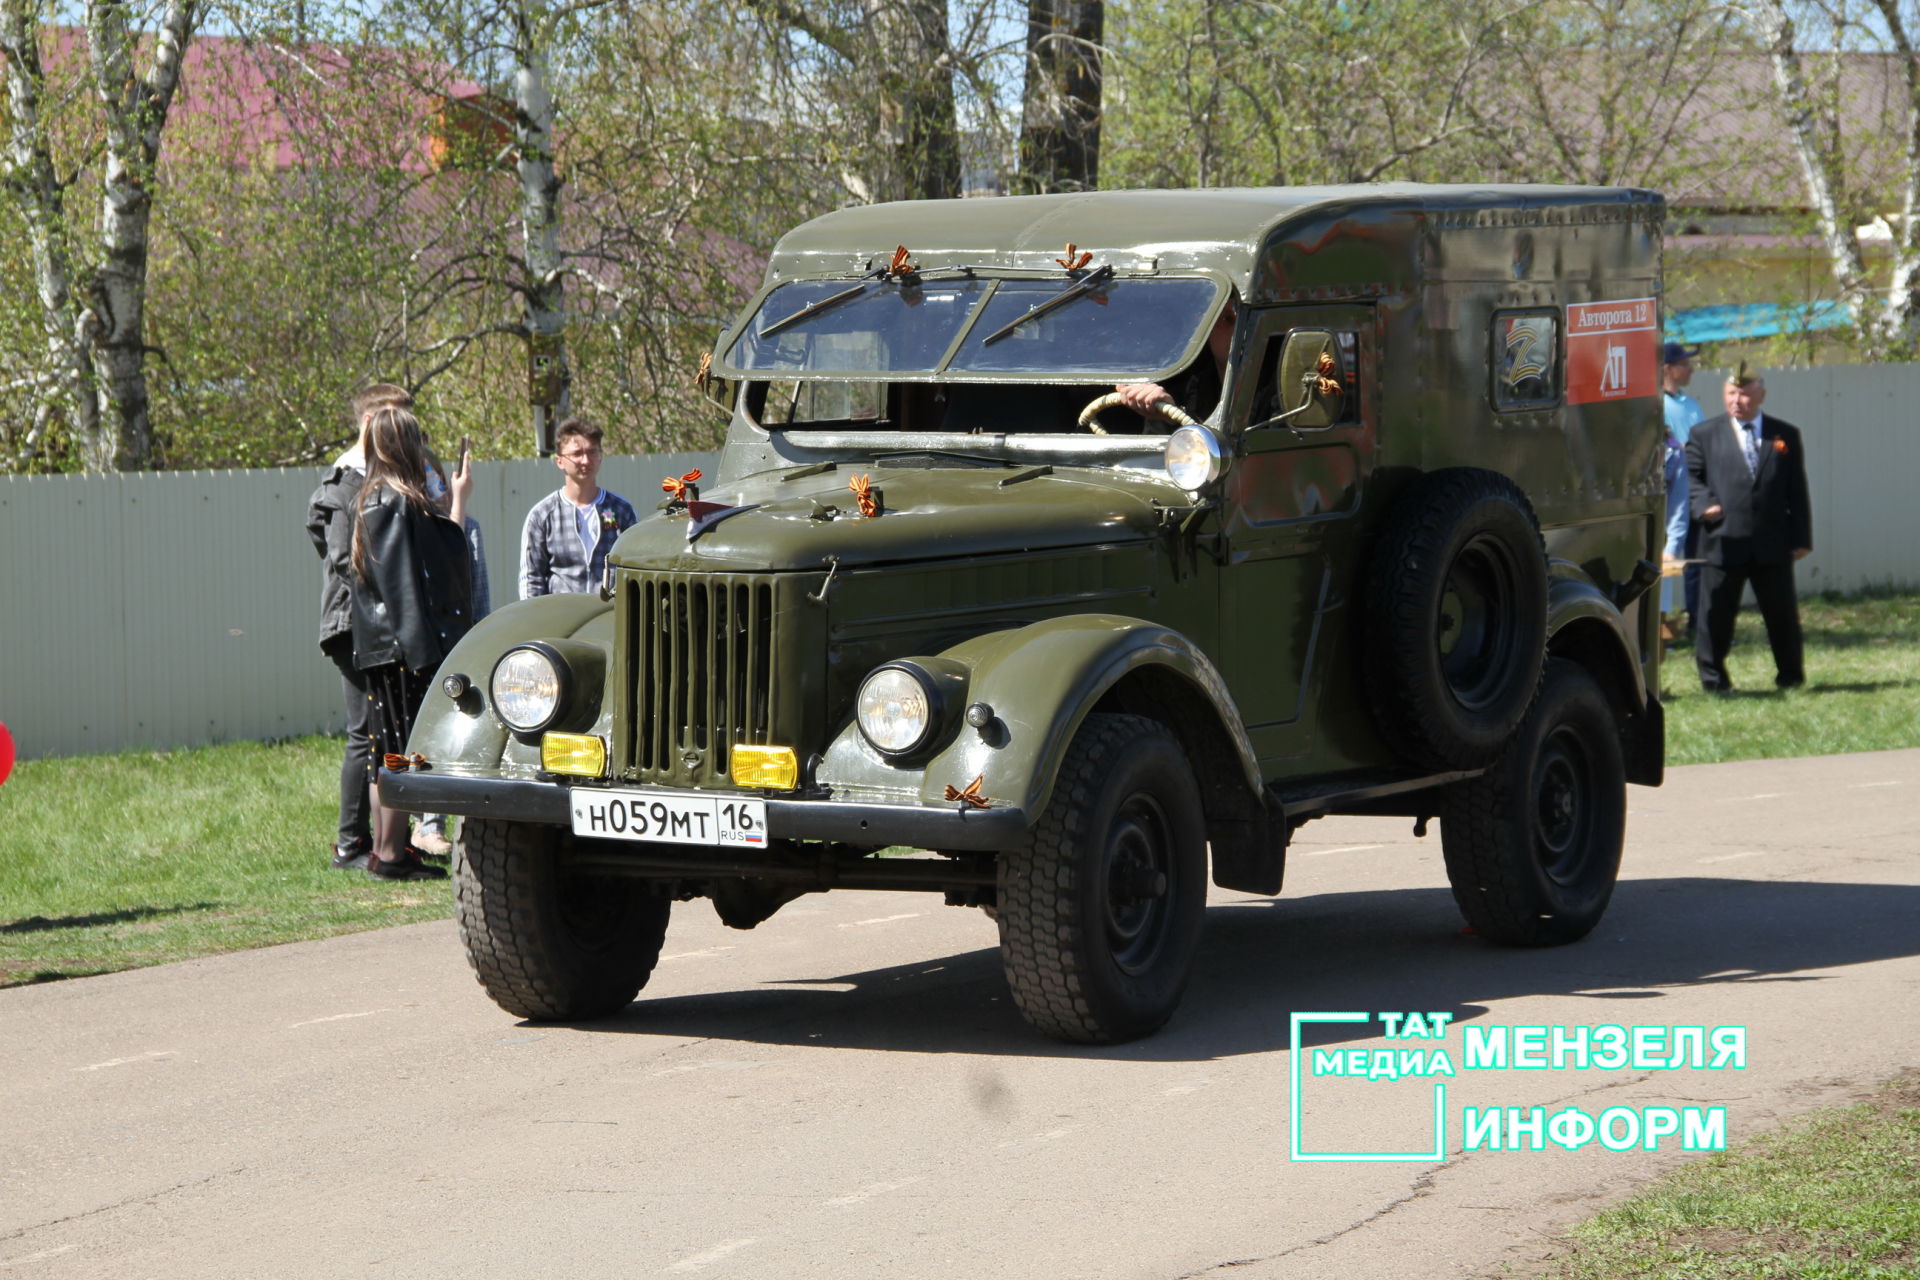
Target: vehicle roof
[1219, 229]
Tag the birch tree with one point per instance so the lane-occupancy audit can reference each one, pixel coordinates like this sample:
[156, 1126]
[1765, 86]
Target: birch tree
[134, 106]
[1818, 125]
[62, 376]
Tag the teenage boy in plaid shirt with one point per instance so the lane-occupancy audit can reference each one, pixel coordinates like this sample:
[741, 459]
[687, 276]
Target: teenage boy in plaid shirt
[564, 544]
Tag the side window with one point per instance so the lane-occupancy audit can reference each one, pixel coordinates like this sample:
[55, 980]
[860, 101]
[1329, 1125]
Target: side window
[805, 402]
[1525, 353]
[1271, 399]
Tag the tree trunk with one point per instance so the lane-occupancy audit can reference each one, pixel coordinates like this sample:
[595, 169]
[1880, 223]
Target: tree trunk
[1819, 166]
[908, 56]
[550, 377]
[1060, 127]
[134, 110]
[1901, 315]
[34, 184]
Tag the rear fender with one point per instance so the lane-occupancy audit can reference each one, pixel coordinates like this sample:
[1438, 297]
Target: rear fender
[1585, 626]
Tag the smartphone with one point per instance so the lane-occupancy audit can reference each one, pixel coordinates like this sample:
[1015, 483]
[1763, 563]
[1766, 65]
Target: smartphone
[466, 447]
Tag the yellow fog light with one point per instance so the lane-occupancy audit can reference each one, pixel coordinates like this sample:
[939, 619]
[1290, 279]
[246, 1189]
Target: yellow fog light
[580, 754]
[771, 767]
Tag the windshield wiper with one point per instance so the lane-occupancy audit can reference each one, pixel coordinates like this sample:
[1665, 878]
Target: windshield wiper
[815, 307]
[1096, 277]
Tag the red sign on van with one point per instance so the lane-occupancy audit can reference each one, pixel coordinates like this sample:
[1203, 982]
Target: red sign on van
[1613, 350]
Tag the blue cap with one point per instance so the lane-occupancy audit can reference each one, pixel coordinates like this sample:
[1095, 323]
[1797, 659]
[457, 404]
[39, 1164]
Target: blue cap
[1674, 353]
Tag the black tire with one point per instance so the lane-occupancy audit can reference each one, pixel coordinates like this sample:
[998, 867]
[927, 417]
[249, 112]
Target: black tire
[547, 944]
[1100, 916]
[1456, 619]
[1533, 845]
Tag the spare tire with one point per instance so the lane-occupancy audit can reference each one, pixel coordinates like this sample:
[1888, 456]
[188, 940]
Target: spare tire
[1455, 632]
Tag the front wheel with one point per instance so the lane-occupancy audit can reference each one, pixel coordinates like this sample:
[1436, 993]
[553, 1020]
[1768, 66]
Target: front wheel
[545, 942]
[1532, 846]
[1100, 916]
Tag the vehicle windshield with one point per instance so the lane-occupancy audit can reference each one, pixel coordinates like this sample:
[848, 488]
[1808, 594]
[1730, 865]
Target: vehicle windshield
[1115, 330]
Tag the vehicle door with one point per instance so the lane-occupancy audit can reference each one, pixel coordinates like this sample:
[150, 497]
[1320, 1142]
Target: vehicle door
[1289, 503]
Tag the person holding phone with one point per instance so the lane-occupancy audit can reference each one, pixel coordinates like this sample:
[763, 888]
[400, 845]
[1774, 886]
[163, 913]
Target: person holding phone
[412, 600]
[430, 834]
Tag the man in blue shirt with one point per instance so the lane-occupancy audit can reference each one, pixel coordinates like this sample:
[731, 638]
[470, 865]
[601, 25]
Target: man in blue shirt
[1683, 411]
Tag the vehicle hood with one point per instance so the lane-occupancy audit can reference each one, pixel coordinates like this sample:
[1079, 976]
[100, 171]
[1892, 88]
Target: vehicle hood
[925, 513]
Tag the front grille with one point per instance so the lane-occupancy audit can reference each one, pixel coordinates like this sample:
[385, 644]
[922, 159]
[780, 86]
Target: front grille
[697, 653]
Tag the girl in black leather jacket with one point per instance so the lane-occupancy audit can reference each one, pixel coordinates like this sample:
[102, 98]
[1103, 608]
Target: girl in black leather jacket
[412, 601]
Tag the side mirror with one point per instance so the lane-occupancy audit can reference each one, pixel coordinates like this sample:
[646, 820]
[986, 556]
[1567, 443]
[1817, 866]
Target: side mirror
[722, 392]
[1308, 381]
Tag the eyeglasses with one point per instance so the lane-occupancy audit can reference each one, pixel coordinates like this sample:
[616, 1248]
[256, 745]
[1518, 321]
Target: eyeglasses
[581, 455]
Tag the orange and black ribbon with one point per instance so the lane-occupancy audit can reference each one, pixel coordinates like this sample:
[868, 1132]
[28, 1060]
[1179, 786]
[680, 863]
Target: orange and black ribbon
[397, 763]
[902, 264]
[681, 487]
[1328, 383]
[1070, 261]
[971, 796]
[862, 487]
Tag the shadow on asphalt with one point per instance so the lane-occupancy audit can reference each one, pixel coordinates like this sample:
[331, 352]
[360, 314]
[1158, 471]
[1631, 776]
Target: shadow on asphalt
[1378, 950]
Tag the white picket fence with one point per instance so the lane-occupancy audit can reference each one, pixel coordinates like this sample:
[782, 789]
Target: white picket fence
[176, 608]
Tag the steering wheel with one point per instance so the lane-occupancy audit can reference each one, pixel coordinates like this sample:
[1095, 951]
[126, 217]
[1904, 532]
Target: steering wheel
[1166, 409]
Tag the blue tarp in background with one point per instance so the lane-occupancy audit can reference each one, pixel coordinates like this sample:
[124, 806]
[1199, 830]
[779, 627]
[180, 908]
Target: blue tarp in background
[1753, 320]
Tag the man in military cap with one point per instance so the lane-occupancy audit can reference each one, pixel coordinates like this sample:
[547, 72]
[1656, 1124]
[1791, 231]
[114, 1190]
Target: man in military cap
[1747, 476]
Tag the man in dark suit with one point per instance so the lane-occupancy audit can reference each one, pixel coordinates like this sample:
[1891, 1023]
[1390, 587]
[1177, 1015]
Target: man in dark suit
[1748, 495]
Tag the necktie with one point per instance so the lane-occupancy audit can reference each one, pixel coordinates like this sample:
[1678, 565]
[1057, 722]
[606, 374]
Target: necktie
[1750, 448]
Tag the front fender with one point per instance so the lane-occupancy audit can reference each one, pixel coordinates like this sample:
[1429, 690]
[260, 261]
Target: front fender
[1041, 681]
[465, 736]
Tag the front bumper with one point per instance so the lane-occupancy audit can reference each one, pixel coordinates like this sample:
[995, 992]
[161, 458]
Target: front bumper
[959, 827]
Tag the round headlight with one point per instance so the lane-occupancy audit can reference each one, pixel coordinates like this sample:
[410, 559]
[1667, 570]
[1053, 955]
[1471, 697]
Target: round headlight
[526, 688]
[895, 710]
[1196, 457]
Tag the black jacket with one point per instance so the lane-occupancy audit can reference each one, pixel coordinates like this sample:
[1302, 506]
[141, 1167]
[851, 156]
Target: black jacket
[416, 600]
[330, 526]
[1766, 514]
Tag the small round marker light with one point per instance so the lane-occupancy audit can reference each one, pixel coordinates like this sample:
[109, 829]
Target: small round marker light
[455, 686]
[979, 715]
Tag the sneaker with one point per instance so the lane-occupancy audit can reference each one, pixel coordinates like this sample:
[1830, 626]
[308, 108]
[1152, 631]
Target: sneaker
[432, 842]
[405, 869]
[349, 859]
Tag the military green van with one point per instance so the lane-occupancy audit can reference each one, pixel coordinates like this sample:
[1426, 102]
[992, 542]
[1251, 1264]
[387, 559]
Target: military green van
[1089, 545]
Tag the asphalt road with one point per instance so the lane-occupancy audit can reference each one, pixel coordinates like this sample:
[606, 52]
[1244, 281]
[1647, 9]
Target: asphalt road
[847, 1091]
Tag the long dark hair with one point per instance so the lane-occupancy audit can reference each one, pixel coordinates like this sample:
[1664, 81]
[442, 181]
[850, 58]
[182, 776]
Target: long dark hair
[397, 460]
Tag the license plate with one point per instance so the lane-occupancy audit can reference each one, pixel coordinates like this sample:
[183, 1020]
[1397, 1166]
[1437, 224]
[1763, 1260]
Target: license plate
[670, 817]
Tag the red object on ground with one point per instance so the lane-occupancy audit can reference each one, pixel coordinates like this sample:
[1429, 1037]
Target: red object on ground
[6, 753]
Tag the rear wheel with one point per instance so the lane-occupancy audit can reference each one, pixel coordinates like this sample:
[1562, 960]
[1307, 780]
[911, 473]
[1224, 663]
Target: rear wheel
[1100, 917]
[1533, 845]
[547, 943]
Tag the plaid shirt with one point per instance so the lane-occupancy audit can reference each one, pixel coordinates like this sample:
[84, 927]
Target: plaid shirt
[552, 559]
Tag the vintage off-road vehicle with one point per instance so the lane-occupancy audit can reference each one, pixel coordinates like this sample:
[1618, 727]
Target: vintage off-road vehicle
[1384, 547]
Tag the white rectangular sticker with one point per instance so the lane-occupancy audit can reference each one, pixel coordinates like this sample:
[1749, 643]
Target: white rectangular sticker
[670, 817]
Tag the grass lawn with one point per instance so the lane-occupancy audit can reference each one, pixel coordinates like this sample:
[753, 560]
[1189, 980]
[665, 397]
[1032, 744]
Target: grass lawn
[112, 862]
[1833, 1196]
[1862, 691]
